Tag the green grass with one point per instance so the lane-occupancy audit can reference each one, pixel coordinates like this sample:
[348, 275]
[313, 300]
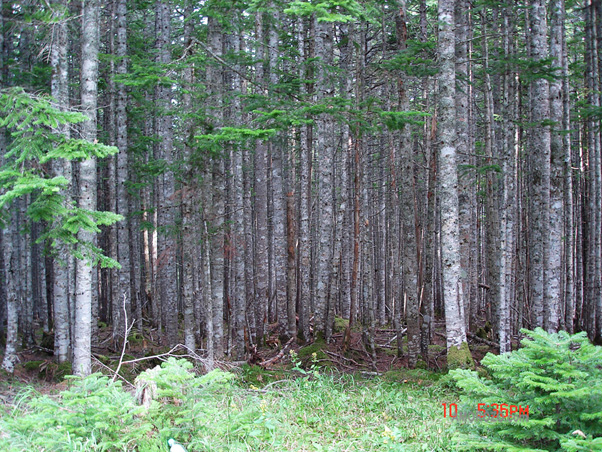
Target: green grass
[309, 411]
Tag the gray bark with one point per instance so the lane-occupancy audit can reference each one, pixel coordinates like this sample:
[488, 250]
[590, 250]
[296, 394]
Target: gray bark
[508, 208]
[63, 266]
[465, 181]
[448, 179]
[82, 353]
[216, 205]
[261, 206]
[190, 220]
[304, 210]
[556, 235]
[539, 170]
[240, 247]
[325, 151]
[12, 302]
[167, 200]
[279, 201]
[124, 282]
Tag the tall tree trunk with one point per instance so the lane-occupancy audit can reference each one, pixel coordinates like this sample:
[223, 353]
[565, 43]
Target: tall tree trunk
[3, 292]
[570, 222]
[217, 206]
[555, 256]
[597, 232]
[240, 247]
[82, 353]
[591, 185]
[427, 299]
[304, 207]
[539, 171]
[261, 206]
[12, 301]
[63, 268]
[124, 282]
[279, 201]
[465, 200]
[166, 203]
[508, 207]
[346, 193]
[189, 202]
[457, 347]
[493, 228]
[325, 151]
[409, 215]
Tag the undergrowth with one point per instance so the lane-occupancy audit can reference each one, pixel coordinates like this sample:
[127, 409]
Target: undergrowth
[311, 411]
[555, 380]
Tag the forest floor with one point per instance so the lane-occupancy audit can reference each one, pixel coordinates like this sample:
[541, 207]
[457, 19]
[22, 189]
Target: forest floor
[294, 398]
[38, 368]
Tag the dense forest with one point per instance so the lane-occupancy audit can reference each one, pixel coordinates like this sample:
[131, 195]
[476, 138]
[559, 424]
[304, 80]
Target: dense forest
[224, 173]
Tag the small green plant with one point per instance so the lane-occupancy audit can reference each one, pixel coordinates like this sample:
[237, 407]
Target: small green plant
[313, 369]
[93, 414]
[555, 378]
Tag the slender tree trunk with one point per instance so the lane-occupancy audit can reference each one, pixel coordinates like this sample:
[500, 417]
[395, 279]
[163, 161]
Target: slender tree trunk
[3, 298]
[409, 215]
[597, 232]
[189, 203]
[467, 228]
[63, 270]
[12, 301]
[217, 206]
[508, 208]
[570, 222]
[591, 185]
[539, 172]
[448, 179]
[346, 192]
[166, 204]
[427, 298]
[82, 353]
[240, 247]
[279, 200]
[325, 150]
[124, 282]
[291, 281]
[554, 261]
[304, 207]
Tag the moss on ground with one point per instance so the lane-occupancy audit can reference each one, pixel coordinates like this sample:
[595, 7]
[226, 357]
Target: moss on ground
[258, 376]
[460, 357]
[135, 338]
[321, 359]
[340, 324]
[49, 370]
[417, 375]
[436, 348]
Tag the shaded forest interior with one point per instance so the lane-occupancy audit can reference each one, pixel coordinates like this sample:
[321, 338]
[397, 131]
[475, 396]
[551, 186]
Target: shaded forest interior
[228, 174]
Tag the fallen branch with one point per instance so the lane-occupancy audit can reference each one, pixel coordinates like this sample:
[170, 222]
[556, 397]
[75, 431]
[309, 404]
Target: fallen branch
[280, 354]
[474, 337]
[336, 355]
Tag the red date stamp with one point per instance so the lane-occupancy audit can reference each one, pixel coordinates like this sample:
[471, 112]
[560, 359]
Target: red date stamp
[488, 412]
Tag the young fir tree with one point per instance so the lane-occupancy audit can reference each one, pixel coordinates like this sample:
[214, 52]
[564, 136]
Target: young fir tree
[544, 396]
[35, 138]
